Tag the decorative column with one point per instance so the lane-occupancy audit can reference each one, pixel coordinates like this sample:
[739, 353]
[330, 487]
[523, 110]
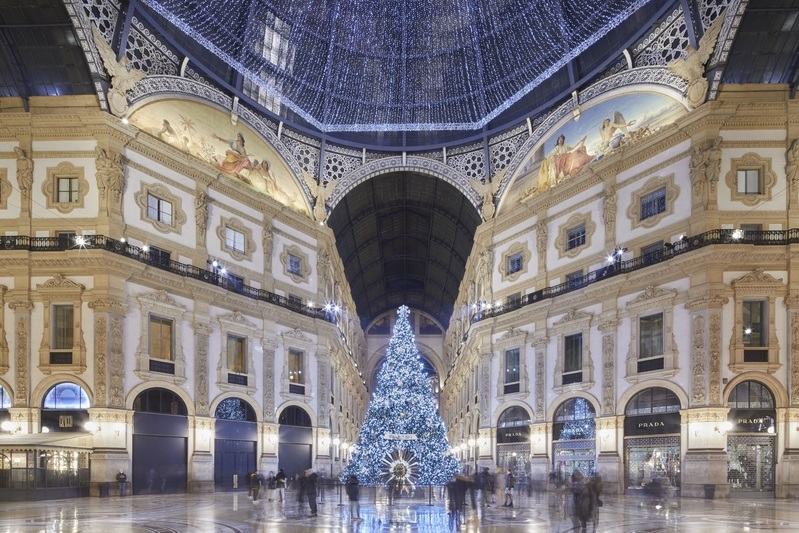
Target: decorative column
[22, 320]
[485, 436]
[269, 430]
[609, 434]
[113, 435]
[539, 431]
[705, 459]
[788, 467]
[324, 462]
[202, 461]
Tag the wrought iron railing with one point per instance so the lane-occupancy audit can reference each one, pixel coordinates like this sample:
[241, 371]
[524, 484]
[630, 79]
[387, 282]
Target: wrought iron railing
[214, 276]
[670, 251]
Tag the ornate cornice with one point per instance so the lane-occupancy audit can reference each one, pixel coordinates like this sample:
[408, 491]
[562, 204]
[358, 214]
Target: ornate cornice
[108, 305]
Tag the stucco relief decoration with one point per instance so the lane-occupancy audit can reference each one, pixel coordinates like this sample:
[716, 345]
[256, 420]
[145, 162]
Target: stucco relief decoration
[24, 172]
[792, 167]
[486, 387]
[5, 188]
[321, 192]
[795, 358]
[201, 333]
[269, 380]
[608, 330]
[541, 237]
[267, 240]
[603, 128]
[609, 210]
[122, 78]
[714, 375]
[100, 360]
[540, 346]
[486, 189]
[691, 67]
[117, 362]
[110, 174]
[201, 201]
[698, 360]
[207, 134]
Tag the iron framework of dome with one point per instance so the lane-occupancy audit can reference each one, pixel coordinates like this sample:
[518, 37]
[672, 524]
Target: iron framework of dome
[401, 65]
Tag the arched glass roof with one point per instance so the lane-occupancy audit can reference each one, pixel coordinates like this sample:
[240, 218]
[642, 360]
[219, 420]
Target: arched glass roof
[399, 65]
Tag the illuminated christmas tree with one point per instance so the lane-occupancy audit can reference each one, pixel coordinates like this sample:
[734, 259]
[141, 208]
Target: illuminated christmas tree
[402, 440]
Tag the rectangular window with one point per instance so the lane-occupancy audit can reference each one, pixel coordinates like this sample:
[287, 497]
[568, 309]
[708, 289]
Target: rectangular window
[753, 322]
[749, 181]
[63, 326]
[296, 376]
[749, 228]
[652, 253]
[575, 279]
[158, 209]
[295, 300]
[295, 265]
[236, 354]
[575, 237]
[650, 342]
[512, 366]
[160, 338]
[67, 190]
[514, 299]
[515, 263]
[234, 240]
[573, 358]
[159, 256]
[234, 282]
[66, 238]
[653, 203]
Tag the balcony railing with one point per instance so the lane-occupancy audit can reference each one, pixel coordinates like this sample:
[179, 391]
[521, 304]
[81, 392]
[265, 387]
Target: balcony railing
[213, 276]
[672, 250]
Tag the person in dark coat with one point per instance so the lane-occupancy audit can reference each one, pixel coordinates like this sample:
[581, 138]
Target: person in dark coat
[280, 484]
[353, 492]
[311, 483]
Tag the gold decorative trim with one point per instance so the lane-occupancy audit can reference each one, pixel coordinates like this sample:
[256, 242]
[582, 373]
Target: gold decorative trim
[64, 169]
[236, 225]
[651, 186]
[751, 161]
[162, 193]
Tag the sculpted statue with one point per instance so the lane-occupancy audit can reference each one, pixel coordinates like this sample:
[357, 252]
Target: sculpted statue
[792, 164]
[122, 78]
[609, 209]
[691, 67]
[486, 191]
[268, 238]
[110, 173]
[201, 212]
[24, 172]
[321, 192]
[541, 238]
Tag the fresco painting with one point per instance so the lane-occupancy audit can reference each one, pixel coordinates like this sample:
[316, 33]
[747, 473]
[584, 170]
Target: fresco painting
[206, 133]
[600, 130]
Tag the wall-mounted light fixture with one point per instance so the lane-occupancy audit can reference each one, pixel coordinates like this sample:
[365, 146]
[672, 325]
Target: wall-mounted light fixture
[10, 427]
[92, 427]
[723, 428]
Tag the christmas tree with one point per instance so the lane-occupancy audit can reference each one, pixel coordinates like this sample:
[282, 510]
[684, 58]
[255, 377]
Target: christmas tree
[402, 440]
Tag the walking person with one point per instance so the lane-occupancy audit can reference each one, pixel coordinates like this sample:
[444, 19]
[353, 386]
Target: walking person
[256, 481]
[280, 485]
[510, 483]
[353, 492]
[301, 482]
[311, 480]
[270, 486]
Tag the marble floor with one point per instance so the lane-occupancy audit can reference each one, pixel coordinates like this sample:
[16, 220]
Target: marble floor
[236, 512]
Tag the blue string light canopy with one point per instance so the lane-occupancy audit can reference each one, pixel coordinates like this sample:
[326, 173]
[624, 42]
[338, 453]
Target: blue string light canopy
[394, 65]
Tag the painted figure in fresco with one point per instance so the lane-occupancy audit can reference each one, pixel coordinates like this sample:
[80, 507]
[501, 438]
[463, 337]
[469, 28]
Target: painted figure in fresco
[236, 159]
[562, 161]
[609, 138]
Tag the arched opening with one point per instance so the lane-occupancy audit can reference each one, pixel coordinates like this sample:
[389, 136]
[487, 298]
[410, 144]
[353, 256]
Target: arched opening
[160, 443]
[574, 438]
[751, 441]
[513, 443]
[65, 408]
[296, 441]
[652, 440]
[235, 444]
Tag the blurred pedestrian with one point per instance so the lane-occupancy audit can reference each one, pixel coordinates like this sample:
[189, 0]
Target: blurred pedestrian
[510, 483]
[353, 492]
[311, 484]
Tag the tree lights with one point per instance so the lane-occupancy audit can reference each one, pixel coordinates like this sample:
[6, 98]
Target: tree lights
[403, 438]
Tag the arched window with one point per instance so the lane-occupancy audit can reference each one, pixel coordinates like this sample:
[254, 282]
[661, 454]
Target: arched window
[5, 399]
[575, 409]
[750, 395]
[514, 417]
[294, 416]
[161, 401]
[653, 401]
[66, 396]
[235, 409]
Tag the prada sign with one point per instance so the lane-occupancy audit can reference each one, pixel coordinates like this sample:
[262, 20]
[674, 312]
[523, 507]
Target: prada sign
[513, 434]
[752, 420]
[659, 424]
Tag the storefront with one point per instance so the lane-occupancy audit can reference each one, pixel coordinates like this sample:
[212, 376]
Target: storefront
[652, 440]
[574, 438]
[751, 441]
[235, 445]
[294, 450]
[513, 443]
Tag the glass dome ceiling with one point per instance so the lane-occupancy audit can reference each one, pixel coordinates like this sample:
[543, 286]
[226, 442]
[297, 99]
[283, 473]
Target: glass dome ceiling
[395, 65]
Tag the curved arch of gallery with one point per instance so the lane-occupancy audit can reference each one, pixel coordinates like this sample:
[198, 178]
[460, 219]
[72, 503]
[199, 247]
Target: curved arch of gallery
[417, 164]
[171, 387]
[294, 403]
[44, 386]
[243, 397]
[249, 119]
[776, 388]
[568, 396]
[624, 399]
[540, 136]
[504, 406]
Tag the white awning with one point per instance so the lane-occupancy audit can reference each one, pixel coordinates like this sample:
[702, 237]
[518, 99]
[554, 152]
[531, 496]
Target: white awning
[79, 440]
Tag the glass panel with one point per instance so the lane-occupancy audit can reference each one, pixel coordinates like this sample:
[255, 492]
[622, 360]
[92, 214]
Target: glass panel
[653, 203]
[236, 347]
[512, 366]
[573, 353]
[750, 463]
[651, 336]
[751, 395]
[753, 312]
[160, 338]
[235, 409]
[652, 459]
[152, 207]
[66, 396]
[295, 367]
[63, 326]
[515, 263]
[575, 237]
[653, 401]
[749, 181]
[514, 417]
[234, 240]
[574, 409]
